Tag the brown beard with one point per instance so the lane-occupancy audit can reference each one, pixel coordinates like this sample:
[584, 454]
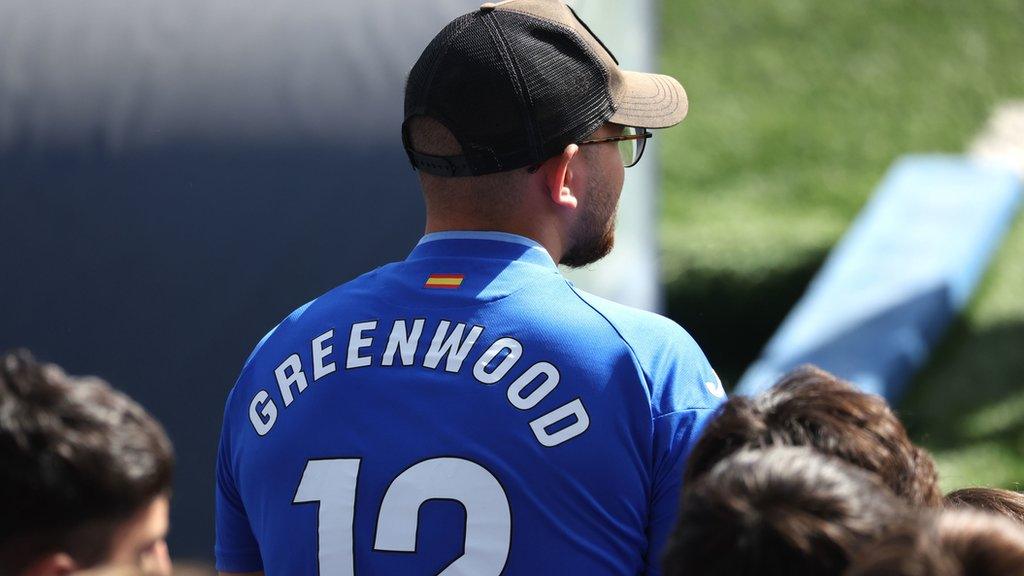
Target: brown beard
[594, 235]
[582, 253]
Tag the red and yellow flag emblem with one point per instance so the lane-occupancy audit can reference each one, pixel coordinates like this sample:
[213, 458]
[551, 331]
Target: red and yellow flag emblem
[443, 281]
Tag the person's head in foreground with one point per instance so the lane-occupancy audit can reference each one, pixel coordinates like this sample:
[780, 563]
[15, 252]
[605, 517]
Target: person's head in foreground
[519, 119]
[810, 407]
[995, 500]
[948, 543]
[779, 511]
[86, 474]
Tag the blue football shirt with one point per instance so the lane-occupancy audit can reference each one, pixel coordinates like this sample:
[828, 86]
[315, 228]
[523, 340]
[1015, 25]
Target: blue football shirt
[465, 411]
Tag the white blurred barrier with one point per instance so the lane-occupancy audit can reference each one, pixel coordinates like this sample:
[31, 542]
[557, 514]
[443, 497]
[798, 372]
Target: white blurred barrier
[630, 274]
[147, 72]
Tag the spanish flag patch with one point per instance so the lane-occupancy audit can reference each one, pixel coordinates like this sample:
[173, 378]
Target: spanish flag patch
[443, 281]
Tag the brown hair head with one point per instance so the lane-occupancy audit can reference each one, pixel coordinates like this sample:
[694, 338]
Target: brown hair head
[950, 543]
[810, 407]
[78, 458]
[996, 500]
[779, 511]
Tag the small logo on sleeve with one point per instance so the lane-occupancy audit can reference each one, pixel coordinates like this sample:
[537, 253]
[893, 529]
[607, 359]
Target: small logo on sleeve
[715, 388]
[443, 281]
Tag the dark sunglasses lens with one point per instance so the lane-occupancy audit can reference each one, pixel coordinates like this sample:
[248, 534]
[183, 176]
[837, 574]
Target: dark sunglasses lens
[628, 148]
[641, 143]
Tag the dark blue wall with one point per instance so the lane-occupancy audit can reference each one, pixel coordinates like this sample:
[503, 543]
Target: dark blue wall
[176, 177]
[160, 271]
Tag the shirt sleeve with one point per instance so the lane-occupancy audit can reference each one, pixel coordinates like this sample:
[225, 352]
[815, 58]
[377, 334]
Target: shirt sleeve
[236, 549]
[674, 436]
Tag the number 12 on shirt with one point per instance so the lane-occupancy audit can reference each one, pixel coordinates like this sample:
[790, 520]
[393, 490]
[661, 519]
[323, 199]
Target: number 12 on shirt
[332, 483]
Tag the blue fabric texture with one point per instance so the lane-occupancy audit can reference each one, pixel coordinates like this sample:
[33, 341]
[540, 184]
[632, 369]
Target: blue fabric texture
[509, 424]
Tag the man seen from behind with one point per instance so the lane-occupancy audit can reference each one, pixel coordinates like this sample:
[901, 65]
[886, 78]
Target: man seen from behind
[468, 410]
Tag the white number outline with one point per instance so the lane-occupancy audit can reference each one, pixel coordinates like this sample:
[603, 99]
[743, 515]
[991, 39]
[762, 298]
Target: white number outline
[320, 510]
[485, 504]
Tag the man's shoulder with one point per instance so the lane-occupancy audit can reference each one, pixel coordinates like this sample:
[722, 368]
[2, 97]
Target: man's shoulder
[645, 331]
[677, 371]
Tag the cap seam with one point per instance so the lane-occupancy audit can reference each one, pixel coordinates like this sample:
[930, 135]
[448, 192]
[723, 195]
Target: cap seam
[640, 107]
[604, 69]
[592, 33]
[659, 97]
[512, 68]
[605, 74]
[436, 61]
[657, 107]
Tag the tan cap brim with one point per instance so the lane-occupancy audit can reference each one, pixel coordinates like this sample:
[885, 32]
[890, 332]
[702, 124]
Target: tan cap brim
[649, 101]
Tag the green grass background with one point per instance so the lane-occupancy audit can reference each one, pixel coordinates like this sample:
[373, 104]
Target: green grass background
[798, 107]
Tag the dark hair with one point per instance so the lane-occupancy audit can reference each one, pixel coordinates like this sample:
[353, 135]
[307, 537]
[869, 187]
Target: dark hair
[780, 511]
[810, 407]
[996, 500]
[950, 543]
[78, 457]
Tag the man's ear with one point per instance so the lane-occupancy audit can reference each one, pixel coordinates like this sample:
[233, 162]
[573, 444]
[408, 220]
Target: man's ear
[560, 178]
[54, 564]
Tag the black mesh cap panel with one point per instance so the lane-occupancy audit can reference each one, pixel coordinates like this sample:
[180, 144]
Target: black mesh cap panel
[568, 87]
[418, 83]
[513, 89]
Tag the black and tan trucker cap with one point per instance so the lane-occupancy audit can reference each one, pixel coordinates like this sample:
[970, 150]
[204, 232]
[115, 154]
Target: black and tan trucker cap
[517, 81]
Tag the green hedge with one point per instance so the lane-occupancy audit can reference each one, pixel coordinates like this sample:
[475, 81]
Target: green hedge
[798, 108]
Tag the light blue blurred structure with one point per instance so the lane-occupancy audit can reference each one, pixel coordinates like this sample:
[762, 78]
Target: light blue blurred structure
[895, 282]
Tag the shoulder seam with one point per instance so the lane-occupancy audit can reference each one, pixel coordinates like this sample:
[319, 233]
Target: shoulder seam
[694, 409]
[632, 352]
[636, 358]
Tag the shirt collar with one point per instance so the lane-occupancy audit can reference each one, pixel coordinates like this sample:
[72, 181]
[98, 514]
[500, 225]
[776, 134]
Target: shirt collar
[481, 244]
